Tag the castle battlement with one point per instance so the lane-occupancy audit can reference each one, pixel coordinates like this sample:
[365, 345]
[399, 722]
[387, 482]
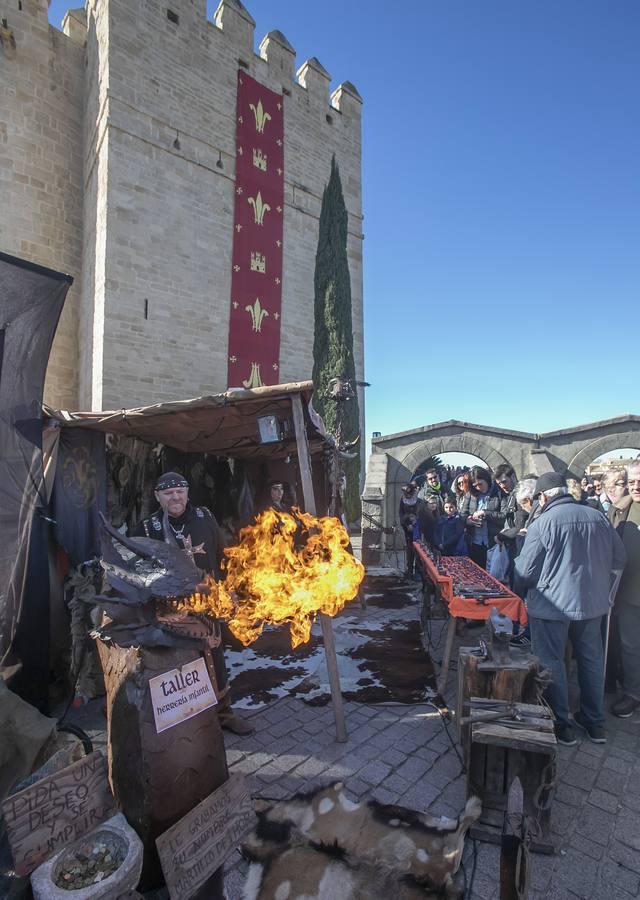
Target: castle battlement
[235, 21]
[119, 168]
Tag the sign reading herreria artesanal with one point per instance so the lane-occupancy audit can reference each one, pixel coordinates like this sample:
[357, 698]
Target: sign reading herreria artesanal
[181, 693]
[52, 812]
[192, 849]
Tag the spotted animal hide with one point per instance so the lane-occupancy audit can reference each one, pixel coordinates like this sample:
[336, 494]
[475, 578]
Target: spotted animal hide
[322, 846]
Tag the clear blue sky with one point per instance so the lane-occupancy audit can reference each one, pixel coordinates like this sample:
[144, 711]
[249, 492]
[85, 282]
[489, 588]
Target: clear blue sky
[501, 178]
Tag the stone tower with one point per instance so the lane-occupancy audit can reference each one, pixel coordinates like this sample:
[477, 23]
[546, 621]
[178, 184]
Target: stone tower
[117, 165]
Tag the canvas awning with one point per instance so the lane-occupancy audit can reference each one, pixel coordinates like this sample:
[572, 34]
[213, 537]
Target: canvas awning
[222, 424]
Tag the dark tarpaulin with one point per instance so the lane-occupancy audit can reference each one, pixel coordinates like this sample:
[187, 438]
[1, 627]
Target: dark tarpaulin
[79, 492]
[31, 300]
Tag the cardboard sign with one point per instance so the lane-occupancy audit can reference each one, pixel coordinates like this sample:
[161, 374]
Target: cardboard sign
[51, 813]
[192, 849]
[181, 694]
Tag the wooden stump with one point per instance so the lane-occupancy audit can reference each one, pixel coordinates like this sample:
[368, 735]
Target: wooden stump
[482, 678]
[156, 778]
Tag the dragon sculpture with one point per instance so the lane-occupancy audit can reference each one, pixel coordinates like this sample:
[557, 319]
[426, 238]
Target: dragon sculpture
[146, 577]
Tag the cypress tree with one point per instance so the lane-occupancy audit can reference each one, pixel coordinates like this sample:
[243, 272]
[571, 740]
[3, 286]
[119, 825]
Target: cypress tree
[333, 333]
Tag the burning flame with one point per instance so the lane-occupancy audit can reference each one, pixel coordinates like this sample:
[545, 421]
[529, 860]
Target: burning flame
[285, 568]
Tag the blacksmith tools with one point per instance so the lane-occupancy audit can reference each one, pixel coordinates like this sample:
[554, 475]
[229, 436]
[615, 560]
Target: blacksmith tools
[500, 634]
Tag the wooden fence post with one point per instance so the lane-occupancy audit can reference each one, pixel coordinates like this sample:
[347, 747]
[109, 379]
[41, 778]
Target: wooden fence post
[304, 462]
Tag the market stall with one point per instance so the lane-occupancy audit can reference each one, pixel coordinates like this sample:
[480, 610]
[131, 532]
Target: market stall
[468, 592]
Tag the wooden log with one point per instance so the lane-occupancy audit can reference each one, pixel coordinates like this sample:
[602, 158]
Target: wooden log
[471, 683]
[304, 464]
[156, 778]
[510, 684]
[478, 677]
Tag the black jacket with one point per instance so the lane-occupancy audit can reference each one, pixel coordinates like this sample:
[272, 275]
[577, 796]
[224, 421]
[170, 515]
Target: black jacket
[494, 515]
[198, 526]
[428, 493]
[417, 513]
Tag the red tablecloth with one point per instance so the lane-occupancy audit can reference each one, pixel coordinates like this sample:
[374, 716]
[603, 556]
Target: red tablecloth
[459, 607]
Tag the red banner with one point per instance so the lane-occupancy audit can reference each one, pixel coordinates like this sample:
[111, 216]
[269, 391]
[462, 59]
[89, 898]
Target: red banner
[256, 278]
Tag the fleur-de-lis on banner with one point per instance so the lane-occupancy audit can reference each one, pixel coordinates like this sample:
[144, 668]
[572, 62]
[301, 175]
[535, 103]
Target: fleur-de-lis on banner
[257, 314]
[259, 208]
[254, 380]
[260, 115]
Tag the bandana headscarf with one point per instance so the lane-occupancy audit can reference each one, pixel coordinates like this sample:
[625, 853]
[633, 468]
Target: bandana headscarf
[171, 480]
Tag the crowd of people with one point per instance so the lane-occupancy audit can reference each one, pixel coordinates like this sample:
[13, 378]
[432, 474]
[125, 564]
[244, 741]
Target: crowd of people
[564, 546]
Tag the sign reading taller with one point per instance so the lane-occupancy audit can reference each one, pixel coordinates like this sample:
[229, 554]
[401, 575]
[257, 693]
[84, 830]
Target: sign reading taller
[256, 278]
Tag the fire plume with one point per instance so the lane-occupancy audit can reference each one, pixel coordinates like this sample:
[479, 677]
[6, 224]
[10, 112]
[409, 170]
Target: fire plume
[285, 568]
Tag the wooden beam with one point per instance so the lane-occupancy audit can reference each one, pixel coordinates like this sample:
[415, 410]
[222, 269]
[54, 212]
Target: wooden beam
[306, 477]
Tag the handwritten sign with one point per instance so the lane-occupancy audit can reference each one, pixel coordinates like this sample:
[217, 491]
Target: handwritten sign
[52, 812]
[181, 694]
[192, 849]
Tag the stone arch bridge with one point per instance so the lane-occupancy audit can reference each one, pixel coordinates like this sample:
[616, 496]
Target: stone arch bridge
[394, 457]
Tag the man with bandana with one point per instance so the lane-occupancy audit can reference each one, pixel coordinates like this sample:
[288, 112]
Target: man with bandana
[197, 533]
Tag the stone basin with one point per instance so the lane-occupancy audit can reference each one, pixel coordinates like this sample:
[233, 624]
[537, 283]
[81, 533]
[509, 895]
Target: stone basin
[115, 837]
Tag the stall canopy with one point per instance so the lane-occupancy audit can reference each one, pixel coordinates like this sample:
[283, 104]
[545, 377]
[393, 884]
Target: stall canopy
[245, 424]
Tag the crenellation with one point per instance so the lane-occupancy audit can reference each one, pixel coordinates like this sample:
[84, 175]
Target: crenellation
[232, 18]
[347, 100]
[280, 56]
[314, 78]
[74, 26]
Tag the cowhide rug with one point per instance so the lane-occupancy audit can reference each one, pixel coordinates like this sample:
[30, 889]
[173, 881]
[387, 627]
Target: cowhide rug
[322, 846]
[379, 651]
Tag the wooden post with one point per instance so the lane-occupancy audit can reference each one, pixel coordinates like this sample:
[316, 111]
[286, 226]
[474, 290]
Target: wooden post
[446, 658]
[304, 463]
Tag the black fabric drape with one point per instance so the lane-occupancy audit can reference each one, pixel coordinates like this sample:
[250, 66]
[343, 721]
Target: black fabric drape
[31, 300]
[79, 492]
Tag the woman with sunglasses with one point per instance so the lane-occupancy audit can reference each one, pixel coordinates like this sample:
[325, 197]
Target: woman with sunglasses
[461, 487]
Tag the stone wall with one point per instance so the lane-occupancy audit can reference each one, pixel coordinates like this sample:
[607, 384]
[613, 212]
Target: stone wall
[153, 180]
[41, 117]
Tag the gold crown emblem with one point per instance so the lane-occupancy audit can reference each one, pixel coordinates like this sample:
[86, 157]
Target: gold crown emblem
[258, 262]
[259, 160]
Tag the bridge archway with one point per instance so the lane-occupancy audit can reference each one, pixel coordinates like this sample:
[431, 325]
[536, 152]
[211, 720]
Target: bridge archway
[395, 457]
[606, 443]
[464, 443]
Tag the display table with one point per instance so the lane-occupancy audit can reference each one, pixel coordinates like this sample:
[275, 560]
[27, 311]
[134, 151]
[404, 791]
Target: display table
[468, 592]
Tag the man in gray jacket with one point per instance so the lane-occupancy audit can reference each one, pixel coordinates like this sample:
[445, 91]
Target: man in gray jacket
[624, 515]
[567, 560]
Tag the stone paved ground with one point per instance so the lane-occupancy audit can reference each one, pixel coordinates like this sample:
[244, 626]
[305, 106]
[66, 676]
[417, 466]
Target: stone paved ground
[401, 754]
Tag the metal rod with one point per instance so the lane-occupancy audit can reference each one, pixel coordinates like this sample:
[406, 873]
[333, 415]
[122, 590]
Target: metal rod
[617, 575]
[304, 463]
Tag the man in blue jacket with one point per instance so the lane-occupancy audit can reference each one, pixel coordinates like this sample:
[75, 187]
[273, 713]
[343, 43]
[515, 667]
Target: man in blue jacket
[567, 560]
